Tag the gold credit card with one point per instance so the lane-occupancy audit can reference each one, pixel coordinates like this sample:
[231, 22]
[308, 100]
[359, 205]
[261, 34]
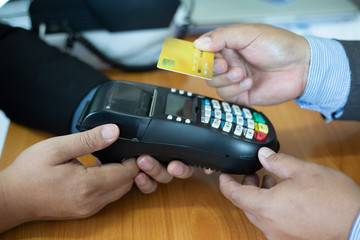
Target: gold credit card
[181, 56]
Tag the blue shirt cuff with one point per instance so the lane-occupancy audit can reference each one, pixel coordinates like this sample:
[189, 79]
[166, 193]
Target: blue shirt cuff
[355, 231]
[329, 79]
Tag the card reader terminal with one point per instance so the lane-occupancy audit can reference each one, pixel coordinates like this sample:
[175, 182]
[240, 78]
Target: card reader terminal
[171, 124]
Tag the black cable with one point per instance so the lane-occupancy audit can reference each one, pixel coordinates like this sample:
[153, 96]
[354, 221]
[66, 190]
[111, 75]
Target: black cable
[102, 56]
[78, 37]
[73, 36]
[184, 29]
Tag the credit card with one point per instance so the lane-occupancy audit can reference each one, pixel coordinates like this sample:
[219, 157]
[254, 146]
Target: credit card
[181, 56]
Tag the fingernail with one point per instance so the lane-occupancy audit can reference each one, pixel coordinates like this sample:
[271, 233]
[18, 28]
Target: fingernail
[202, 42]
[266, 152]
[217, 68]
[234, 75]
[146, 164]
[140, 180]
[98, 162]
[109, 132]
[245, 83]
[176, 170]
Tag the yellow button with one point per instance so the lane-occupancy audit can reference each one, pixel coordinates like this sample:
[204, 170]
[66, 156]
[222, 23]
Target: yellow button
[256, 126]
[263, 128]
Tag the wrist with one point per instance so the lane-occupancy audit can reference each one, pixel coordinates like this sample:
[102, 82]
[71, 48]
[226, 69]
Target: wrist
[8, 218]
[306, 61]
[12, 205]
[328, 83]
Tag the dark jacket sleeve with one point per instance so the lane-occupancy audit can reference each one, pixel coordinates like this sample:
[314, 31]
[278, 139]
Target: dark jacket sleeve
[40, 86]
[352, 107]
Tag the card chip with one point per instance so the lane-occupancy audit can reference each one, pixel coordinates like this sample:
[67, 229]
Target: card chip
[168, 63]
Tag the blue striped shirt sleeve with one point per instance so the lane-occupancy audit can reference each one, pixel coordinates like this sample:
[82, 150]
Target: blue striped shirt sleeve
[329, 79]
[355, 232]
[328, 87]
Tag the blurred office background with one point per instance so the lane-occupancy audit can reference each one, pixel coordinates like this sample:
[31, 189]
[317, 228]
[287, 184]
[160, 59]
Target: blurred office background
[132, 31]
[326, 18]
[204, 15]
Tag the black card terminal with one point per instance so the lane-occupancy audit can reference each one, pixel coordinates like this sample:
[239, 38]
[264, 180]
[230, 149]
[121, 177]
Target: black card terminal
[171, 124]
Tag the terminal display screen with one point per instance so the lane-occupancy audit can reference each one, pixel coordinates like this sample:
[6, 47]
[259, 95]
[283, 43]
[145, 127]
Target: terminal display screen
[180, 106]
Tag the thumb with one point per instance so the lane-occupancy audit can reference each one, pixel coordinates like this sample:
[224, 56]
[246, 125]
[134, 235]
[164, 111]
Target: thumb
[71, 146]
[282, 165]
[246, 197]
[233, 37]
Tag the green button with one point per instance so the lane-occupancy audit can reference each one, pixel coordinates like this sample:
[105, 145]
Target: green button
[258, 118]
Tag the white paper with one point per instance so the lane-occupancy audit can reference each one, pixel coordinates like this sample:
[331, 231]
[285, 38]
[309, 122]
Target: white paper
[4, 125]
[2, 2]
[343, 30]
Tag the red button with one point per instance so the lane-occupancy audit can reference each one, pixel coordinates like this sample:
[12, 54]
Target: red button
[260, 135]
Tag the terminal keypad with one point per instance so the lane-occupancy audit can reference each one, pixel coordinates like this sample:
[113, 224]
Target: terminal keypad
[234, 119]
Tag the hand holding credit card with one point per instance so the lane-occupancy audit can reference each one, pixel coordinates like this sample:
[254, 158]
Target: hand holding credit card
[181, 56]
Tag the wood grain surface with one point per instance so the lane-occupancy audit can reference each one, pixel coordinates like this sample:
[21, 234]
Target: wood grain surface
[193, 208]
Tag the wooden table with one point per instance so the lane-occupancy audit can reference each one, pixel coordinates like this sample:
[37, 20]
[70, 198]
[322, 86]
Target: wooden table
[192, 208]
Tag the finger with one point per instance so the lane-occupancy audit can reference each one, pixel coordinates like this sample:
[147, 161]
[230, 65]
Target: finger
[202, 41]
[145, 184]
[282, 165]
[268, 182]
[98, 162]
[180, 170]
[208, 171]
[233, 90]
[220, 80]
[79, 144]
[108, 177]
[233, 37]
[251, 180]
[227, 59]
[234, 75]
[153, 168]
[115, 194]
[218, 55]
[75, 162]
[100, 200]
[220, 66]
[243, 196]
[232, 57]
